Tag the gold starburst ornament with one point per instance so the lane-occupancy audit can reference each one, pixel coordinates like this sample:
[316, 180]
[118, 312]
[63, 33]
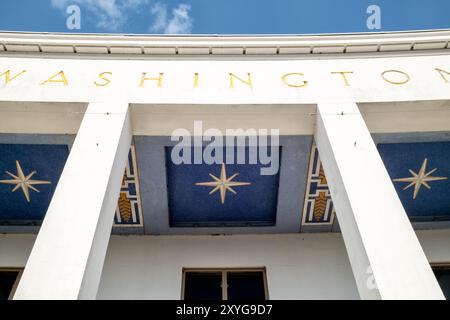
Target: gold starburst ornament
[23, 181]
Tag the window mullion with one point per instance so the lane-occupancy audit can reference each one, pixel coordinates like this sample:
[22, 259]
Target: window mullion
[224, 286]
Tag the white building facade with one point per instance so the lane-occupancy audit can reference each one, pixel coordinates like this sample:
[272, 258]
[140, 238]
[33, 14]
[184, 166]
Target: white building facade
[97, 203]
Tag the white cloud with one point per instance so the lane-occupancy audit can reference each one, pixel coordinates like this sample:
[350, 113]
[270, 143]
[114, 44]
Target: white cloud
[110, 14]
[159, 11]
[180, 21]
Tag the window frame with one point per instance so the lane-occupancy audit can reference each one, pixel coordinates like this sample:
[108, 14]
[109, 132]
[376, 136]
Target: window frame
[224, 272]
[16, 282]
[440, 266]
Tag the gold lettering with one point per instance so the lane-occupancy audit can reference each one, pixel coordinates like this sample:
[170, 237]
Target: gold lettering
[196, 80]
[62, 79]
[286, 82]
[7, 75]
[344, 76]
[441, 72]
[106, 80]
[248, 82]
[159, 79]
[407, 77]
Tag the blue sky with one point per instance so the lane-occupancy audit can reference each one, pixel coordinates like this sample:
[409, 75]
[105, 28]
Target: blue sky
[223, 16]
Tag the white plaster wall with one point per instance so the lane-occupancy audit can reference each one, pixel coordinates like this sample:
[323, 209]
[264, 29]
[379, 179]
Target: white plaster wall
[300, 266]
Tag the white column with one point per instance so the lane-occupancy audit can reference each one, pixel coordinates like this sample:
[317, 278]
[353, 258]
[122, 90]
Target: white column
[67, 258]
[381, 243]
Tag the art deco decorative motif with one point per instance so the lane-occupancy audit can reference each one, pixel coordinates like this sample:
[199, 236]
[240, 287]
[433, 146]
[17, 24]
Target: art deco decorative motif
[223, 184]
[129, 211]
[318, 207]
[23, 181]
[420, 179]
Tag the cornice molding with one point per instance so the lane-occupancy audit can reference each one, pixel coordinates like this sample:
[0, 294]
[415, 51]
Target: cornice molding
[224, 45]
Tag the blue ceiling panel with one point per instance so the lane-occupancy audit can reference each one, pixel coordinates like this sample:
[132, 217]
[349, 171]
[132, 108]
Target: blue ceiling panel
[195, 198]
[29, 174]
[421, 175]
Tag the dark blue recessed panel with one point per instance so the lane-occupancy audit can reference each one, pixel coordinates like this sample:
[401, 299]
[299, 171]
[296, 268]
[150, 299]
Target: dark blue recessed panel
[190, 204]
[424, 170]
[47, 161]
